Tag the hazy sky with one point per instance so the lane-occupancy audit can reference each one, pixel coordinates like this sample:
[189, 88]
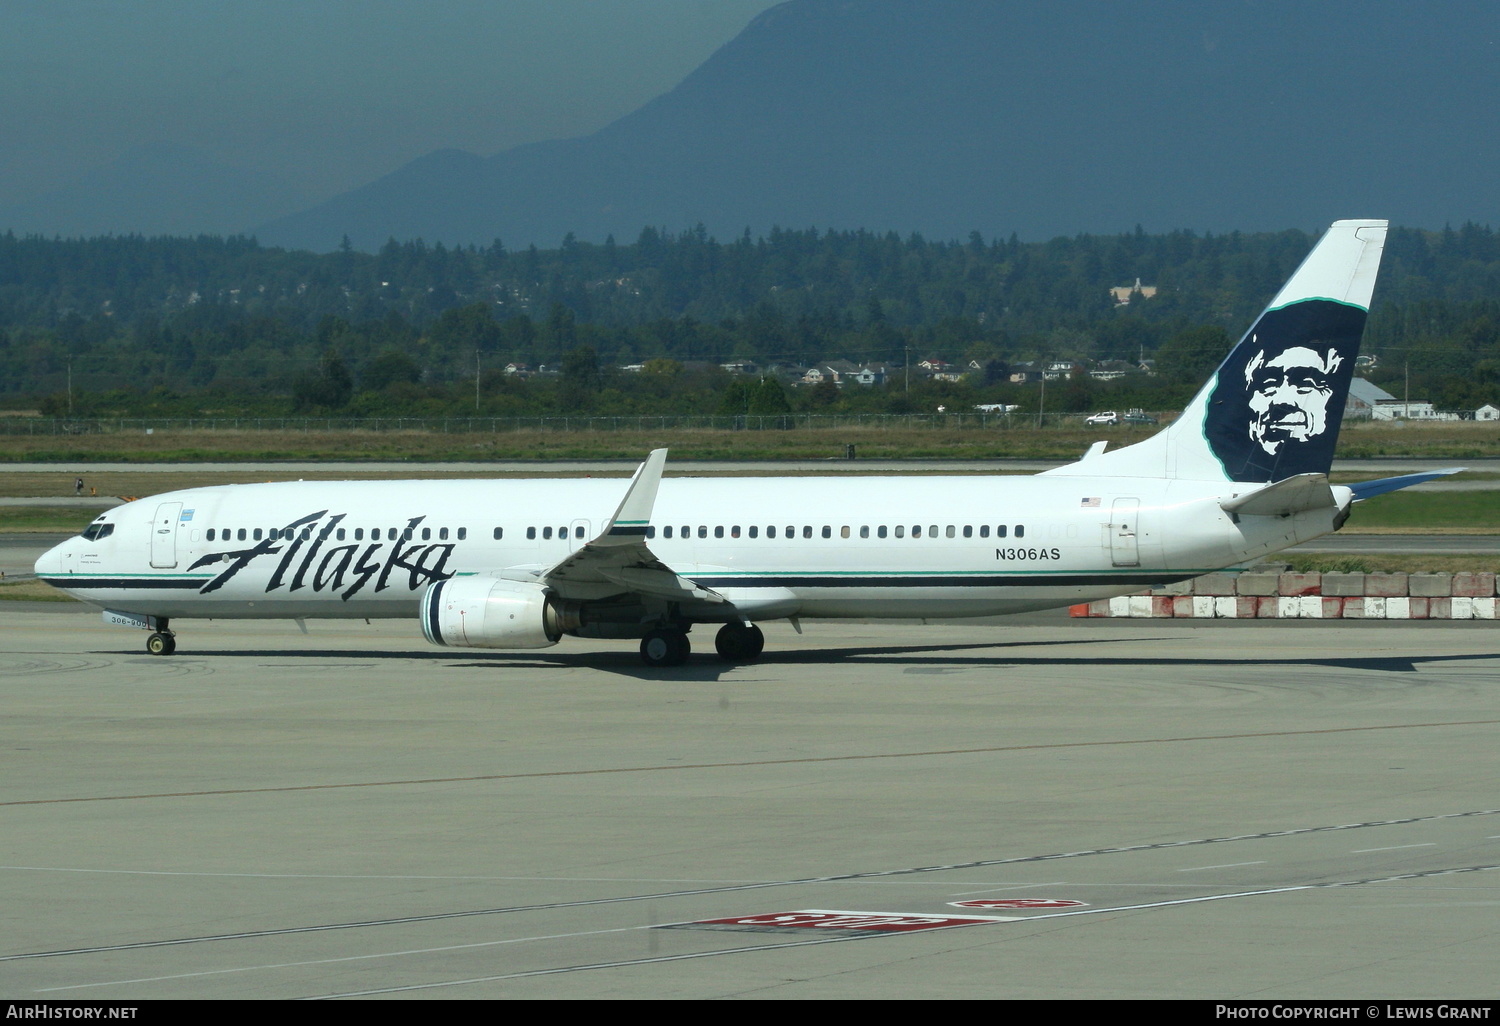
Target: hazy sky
[329, 94]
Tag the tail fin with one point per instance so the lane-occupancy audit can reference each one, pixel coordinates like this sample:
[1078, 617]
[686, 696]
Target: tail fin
[1273, 408]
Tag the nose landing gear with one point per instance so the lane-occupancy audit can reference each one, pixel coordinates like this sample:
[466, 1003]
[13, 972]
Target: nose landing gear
[162, 641]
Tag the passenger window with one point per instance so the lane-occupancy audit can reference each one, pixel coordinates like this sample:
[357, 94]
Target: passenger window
[442, 534]
[880, 531]
[791, 532]
[91, 537]
[827, 531]
[754, 531]
[340, 534]
[427, 534]
[463, 532]
[546, 534]
[864, 531]
[650, 531]
[256, 535]
[916, 530]
[240, 535]
[531, 534]
[1020, 530]
[968, 530]
[666, 532]
[306, 533]
[900, 530]
[771, 531]
[932, 531]
[719, 531]
[807, 531]
[949, 532]
[406, 534]
[984, 530]
[702, 530]
[734, 532]
[1000, 531]
[359, 534]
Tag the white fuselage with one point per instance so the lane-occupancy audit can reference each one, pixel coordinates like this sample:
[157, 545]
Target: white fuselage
[774, 547]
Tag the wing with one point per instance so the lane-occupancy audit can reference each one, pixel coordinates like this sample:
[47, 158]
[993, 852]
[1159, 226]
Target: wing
[619, 560]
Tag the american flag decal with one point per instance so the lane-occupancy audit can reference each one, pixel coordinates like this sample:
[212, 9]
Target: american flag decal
[1090, 503]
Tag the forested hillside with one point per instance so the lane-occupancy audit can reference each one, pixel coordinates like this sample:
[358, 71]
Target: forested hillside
[177, 326]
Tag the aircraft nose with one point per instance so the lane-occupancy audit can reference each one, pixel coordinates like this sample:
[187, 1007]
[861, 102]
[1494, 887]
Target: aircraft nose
[51, 561]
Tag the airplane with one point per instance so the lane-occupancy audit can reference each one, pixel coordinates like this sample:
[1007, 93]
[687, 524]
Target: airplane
[1243, 473]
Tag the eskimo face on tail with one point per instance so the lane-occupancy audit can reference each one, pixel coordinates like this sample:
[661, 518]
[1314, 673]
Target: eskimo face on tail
[1289, 395]
[1279, 397]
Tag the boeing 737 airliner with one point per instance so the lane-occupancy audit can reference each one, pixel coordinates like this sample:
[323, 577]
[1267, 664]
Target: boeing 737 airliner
[519, 564]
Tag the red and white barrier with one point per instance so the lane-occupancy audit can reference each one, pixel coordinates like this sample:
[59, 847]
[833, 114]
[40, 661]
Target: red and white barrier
[1269, 594]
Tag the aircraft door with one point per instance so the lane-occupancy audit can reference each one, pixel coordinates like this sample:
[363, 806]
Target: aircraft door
[164, 535]
[579, 535]
[1124, 531]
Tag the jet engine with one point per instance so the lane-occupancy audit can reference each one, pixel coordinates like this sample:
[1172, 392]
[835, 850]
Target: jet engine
[482, 612]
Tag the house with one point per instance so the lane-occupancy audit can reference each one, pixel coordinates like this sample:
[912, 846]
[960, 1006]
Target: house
[1111, 370]
[1364, 396]
[1124, 293]
[1487, 412]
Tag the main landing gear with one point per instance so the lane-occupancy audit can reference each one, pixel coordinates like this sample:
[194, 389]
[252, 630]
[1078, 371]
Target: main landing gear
[739, 642]
[736, 643]
[665, 646]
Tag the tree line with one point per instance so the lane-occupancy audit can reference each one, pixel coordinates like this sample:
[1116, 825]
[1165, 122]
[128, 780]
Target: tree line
[127, 325]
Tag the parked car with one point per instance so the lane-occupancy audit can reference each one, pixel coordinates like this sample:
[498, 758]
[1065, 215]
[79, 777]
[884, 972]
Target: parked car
[1139, 417]
[1108, 418]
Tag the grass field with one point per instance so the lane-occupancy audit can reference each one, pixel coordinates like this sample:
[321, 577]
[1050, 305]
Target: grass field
[1455, 440]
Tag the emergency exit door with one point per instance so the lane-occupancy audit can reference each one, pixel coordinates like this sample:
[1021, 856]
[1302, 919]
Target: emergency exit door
[1124, 529]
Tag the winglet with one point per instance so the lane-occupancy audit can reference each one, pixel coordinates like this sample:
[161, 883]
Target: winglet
[633, 518]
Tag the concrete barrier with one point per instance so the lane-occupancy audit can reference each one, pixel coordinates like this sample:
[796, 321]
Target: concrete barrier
[1271, 592]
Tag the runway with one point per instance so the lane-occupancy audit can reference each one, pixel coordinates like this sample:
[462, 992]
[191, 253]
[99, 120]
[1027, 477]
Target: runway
[1226, 811]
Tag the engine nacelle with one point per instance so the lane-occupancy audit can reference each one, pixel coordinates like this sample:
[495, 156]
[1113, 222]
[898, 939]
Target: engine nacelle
[482, 612]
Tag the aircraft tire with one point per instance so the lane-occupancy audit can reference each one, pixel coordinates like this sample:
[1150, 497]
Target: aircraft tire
[665, 647]
[161, 643]
[740, 642]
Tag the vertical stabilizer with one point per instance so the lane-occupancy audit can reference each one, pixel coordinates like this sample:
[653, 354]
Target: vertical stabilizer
[1273, 408]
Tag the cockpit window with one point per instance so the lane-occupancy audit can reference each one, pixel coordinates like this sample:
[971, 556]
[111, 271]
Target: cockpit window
[97, 531]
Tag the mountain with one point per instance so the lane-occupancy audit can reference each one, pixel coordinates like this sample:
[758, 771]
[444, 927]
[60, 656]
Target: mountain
[158, 189]
[1039, 118]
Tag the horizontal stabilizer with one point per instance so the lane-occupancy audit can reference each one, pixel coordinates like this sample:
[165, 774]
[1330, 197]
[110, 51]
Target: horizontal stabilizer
[1369, 489]
[1290, 495]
